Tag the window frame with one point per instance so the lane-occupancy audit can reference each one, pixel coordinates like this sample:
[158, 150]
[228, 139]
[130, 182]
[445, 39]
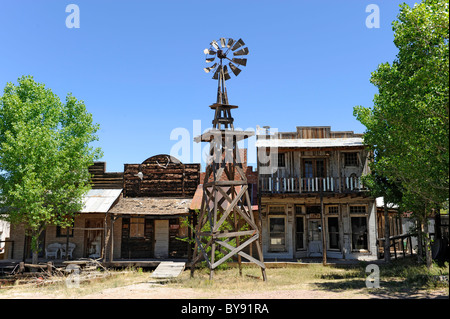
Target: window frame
[338, 248]
[297, 233]
[277, 247]
[351, 162]
[366, 233]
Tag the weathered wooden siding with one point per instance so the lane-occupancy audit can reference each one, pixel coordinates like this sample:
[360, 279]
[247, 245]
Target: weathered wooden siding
[289, 205]
[161, 178]
[101, 179]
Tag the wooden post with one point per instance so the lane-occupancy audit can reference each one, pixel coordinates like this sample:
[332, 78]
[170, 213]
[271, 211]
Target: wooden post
[112, 239]
[324, 243]
[67, 243]
[395, 248]
[387, 247]
[403, 247]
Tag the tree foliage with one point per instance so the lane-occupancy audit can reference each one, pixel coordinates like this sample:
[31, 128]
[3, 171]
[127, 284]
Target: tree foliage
[44, 155]
[408, 127]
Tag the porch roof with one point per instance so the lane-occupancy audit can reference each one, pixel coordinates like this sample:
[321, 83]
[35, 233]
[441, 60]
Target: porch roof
[100, 200]
[311, 142]
[154, 206]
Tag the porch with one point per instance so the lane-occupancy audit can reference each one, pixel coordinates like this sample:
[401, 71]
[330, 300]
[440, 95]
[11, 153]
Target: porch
[300, 185]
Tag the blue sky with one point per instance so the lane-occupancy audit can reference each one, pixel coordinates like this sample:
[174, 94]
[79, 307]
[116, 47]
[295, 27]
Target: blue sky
[138, 65]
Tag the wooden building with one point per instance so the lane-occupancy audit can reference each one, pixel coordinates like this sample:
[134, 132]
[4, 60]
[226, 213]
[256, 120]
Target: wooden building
[311, 195]
[90, 225]
[151, 215]
[135, 214]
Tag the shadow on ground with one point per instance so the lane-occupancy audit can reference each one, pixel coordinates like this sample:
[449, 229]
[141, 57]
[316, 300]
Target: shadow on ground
[387, 290]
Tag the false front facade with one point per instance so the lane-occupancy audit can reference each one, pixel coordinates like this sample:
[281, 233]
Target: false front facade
[311, 195]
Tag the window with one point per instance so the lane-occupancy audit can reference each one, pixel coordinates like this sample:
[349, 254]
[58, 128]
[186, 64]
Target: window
[276, 209]
[333, 210]
[351, 159]
[313, 210]
[359, 233]
[281, 160]
[277, 233]
[300, 232]
[137, 226]
[357, 209]
[62, 232]
[333, 233]
[314, 168]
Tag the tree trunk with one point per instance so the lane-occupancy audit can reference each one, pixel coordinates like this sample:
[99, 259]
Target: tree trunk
[387, 242]
[35, 246]
[419, 241]
[428, 256]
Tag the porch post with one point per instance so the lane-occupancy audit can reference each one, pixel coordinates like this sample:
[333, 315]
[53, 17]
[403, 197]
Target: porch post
[324, 244]
[112, 239]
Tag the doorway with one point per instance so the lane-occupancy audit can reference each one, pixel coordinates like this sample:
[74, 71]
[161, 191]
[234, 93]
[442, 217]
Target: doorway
[93, 237]
[315, 238]
[137, 237]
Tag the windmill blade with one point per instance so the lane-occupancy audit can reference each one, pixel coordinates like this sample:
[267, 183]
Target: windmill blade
[210, 59]
[240, 61]
[225, 73]
[209, 69]
[223, 42]
[230, 42]
[216, 74]
[210, 52]
[214, 44]
[238, 44]
[234, 69]
[243, 51]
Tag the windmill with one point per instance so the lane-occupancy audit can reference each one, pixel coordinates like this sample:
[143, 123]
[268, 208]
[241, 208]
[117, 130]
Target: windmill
[219, 68]
[226, 221]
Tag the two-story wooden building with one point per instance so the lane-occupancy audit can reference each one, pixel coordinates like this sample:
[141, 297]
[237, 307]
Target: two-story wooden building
[311, 196]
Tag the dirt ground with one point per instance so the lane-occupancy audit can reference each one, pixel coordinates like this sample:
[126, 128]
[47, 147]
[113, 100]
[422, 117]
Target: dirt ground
[150, 290]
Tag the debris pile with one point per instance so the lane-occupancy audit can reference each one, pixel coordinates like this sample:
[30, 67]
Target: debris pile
[69, 273]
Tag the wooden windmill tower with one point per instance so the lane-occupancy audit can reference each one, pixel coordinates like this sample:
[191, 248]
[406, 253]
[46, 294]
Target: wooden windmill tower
[226, 222]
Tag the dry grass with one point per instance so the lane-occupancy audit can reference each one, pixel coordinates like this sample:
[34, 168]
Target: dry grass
[397, 280]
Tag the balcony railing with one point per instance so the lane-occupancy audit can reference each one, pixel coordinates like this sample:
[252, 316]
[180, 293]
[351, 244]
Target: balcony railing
[310, 185]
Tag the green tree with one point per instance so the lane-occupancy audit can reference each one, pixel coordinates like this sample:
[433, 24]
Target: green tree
[44, 156]
[408, 127]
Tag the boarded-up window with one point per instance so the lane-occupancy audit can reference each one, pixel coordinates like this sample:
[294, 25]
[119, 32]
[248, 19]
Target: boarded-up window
[137, 227]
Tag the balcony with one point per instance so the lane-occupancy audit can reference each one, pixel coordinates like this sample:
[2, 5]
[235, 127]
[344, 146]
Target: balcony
[282, 185]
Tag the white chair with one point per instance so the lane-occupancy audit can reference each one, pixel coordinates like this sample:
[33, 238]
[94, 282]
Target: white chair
[69, 251]
[52, 250]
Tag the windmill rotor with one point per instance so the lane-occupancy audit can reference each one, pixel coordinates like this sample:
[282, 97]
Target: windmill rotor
[221, 53]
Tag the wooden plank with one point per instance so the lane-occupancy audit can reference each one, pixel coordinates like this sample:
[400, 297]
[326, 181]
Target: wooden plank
[168, 269]
[241, 253]
[234, 250]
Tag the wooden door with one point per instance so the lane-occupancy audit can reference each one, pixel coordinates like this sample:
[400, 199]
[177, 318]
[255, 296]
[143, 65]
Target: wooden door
[315, 238]
[137, 238]
[161, 238]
